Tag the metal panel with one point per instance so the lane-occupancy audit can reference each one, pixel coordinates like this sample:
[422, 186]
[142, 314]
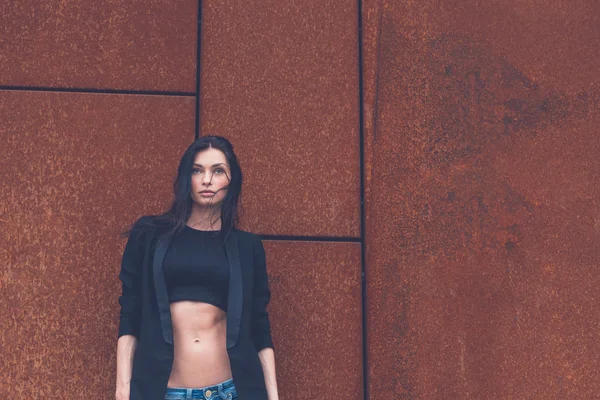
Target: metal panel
[280, 80]
[316, 318]
[127, 45]
[77, 169]
[482, 199]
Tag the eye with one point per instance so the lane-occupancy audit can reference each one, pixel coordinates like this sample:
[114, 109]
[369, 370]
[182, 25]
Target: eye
[196, 171]
[219, 171]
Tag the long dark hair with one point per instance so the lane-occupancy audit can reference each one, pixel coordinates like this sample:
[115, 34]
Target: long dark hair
[176, 217]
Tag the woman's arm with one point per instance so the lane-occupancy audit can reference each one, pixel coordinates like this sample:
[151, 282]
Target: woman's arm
[126, 346]
[267, 360]
[261, 326]
[129, 322]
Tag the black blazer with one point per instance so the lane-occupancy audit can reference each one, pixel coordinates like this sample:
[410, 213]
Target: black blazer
[145, 312]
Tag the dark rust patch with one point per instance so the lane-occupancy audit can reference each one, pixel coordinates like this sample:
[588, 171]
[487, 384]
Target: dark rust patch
[480, 100]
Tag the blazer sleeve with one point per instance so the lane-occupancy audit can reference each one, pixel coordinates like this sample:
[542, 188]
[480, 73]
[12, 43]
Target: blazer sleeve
[131, 277]
[261, 326]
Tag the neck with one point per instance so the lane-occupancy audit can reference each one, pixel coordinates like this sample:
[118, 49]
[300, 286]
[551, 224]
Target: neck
[205, 218]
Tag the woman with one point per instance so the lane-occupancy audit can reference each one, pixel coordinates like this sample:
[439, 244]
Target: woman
[193, 322]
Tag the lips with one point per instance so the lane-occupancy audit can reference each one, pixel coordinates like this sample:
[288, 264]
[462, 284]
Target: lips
[207, 192]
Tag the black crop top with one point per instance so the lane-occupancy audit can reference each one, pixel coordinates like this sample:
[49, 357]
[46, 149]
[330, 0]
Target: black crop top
[196, 268]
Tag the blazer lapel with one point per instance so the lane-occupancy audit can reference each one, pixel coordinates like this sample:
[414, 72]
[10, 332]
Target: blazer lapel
[234, 302]
[160, 287]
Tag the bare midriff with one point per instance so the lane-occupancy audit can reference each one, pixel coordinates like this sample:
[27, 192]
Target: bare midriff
[200, 350]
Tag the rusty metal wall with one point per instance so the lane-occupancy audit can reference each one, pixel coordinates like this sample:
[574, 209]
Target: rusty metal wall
[482, 199]
[480, 159]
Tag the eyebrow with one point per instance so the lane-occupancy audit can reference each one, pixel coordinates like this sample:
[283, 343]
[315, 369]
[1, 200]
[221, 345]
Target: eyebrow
[214, 165]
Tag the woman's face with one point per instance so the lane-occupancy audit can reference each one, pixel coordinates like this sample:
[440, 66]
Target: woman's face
[210, 177]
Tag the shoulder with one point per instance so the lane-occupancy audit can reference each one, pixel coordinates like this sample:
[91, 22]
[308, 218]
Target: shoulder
[248, 237]
[251, 244]
[146, 226]
[143, 223]
[144, 219]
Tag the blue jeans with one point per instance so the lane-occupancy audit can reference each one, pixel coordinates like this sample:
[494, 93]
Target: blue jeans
[222, 391]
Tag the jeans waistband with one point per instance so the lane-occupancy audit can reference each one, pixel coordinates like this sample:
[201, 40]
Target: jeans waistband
[223, 390]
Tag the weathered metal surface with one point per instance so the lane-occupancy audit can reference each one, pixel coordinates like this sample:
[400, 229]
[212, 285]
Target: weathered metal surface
[129, 45]
[77, 169]
[316, 319]
[482, 199]
[280, 79]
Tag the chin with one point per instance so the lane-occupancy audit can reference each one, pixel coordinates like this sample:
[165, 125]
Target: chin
[208, 202]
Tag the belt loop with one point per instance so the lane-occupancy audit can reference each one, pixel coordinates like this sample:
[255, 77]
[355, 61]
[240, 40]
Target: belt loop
[188, 394]
[222, 390]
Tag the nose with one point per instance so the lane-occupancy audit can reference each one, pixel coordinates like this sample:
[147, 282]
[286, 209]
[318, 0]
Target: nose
[207, 178]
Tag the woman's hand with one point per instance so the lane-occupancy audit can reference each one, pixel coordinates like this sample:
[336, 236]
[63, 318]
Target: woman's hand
[267, 360]
[122, 392]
